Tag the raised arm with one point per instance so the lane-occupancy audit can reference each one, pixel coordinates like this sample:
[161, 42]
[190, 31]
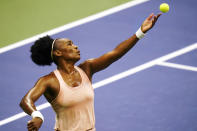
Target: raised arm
[105, 60]
[27, 104]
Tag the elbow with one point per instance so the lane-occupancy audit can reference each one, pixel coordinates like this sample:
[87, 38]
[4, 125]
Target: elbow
[22, 103]
[26, 105]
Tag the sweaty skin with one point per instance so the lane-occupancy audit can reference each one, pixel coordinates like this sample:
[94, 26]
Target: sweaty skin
[66, 54]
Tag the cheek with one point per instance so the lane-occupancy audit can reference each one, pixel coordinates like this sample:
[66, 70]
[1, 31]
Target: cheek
[70, 53]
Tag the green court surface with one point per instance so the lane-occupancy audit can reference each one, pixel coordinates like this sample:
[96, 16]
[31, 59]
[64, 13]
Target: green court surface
[21, 19]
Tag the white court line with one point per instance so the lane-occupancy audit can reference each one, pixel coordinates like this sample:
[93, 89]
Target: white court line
[146, 65]
[178, 66]
[115, 77]
[73, 24]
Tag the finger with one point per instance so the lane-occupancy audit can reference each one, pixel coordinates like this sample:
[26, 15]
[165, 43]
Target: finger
[29, 121]
[155, 17]
[34, 129]
[154, 20]
[159, 15]
[30, 124]
[31, 128]
[150, 16]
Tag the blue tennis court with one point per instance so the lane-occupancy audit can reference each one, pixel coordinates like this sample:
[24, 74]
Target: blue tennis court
[152, 88]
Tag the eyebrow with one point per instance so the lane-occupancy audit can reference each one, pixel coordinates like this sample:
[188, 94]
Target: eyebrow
[68, 42]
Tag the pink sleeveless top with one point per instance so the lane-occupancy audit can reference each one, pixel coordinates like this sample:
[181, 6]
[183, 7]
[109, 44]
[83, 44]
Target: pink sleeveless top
[74, 106]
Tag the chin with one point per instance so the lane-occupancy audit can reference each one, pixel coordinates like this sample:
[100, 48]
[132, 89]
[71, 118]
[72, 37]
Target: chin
[77, 58]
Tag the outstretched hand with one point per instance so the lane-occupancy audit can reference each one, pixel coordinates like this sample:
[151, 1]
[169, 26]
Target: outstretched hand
[149, 22]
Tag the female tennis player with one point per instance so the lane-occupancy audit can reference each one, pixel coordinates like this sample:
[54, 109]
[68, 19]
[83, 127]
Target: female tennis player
[69, 88]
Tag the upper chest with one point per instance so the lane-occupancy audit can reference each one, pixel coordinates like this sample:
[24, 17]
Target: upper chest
[73, 79]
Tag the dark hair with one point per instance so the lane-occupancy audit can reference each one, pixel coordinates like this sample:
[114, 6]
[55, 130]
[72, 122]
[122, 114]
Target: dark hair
[41, 51]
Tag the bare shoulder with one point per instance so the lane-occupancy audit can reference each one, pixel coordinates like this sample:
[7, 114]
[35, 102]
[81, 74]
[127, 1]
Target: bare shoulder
[85, 64]
[49, 79]
[86, 67]
[52, 85]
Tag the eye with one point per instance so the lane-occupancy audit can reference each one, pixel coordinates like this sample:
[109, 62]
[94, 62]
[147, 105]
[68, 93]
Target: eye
[69, 43]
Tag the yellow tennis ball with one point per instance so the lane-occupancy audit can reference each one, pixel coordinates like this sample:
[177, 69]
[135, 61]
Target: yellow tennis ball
[164, 7]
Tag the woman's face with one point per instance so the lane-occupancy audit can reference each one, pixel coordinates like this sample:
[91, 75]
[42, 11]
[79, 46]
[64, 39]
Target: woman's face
[68, 50]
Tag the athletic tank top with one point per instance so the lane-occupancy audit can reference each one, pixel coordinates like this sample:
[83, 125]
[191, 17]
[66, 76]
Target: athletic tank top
[74, 106]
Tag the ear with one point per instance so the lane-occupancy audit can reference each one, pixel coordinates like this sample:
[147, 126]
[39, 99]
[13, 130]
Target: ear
[57, 53]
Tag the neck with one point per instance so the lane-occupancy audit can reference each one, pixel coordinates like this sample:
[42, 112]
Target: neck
[66, 66]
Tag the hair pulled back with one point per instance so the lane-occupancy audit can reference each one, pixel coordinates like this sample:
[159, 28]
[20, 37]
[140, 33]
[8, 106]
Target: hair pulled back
[41, 51]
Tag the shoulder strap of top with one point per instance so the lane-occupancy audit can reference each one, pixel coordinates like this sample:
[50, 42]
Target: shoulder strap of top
[59, 77]
[82, 73]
